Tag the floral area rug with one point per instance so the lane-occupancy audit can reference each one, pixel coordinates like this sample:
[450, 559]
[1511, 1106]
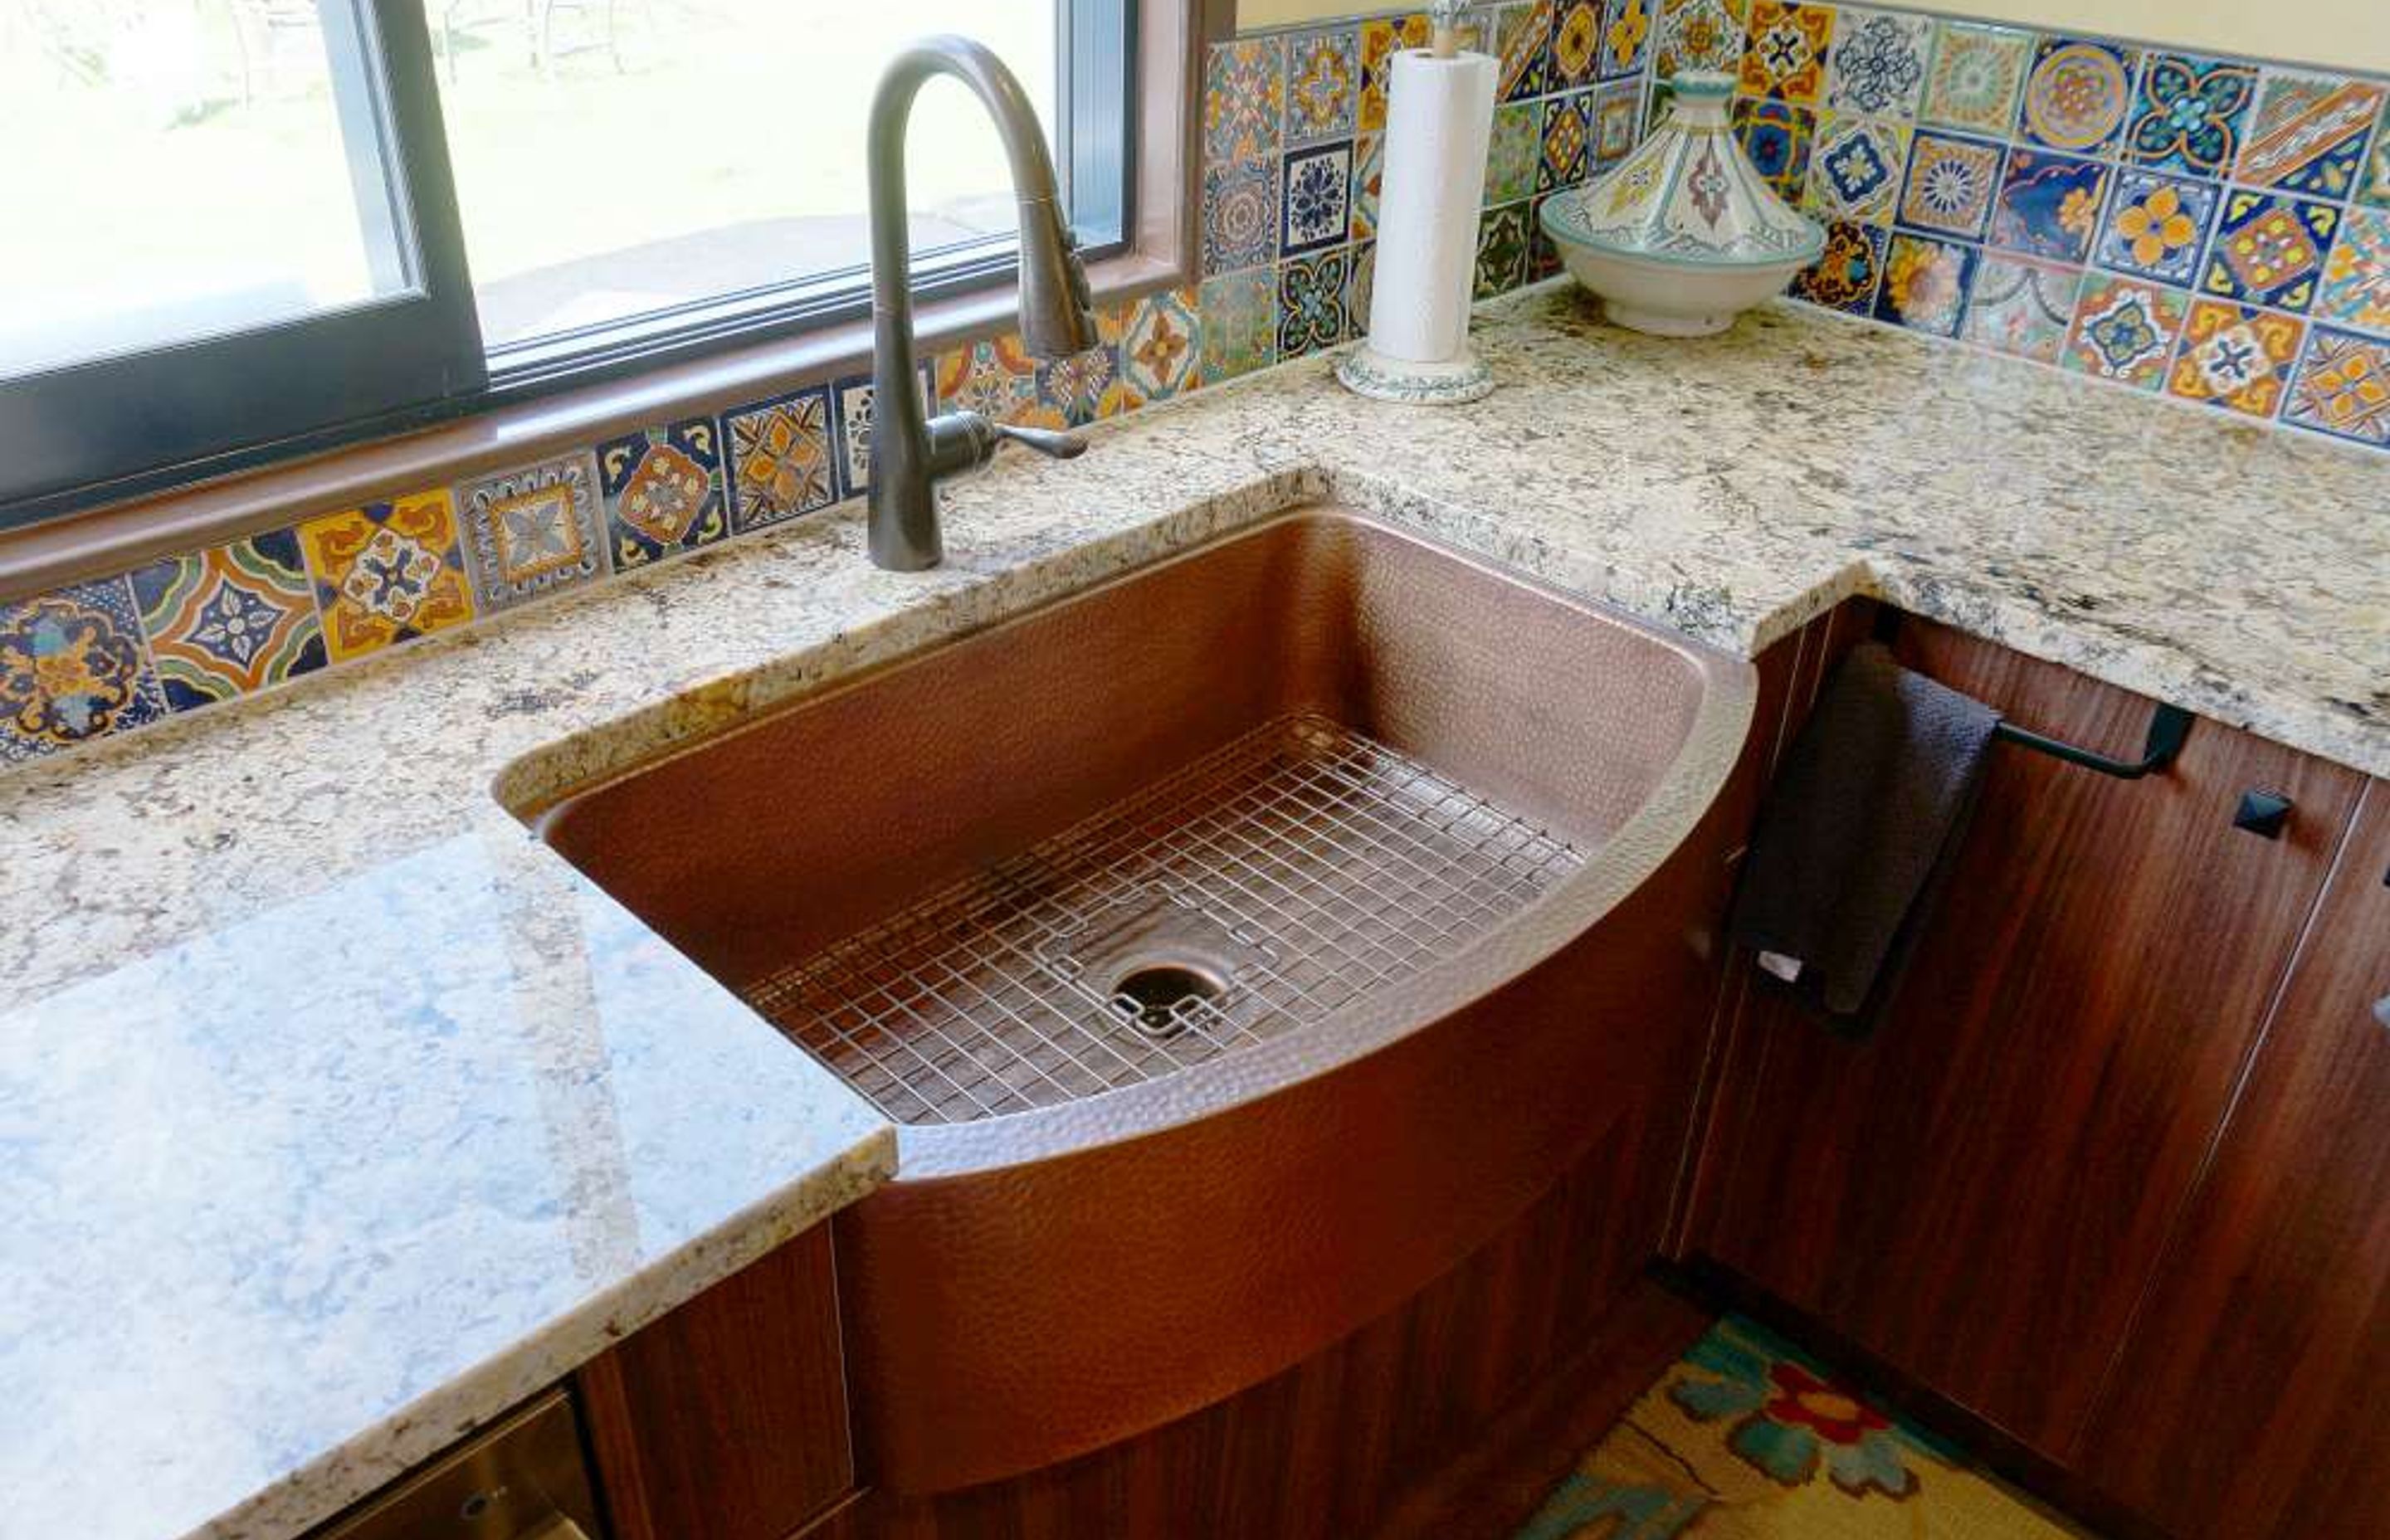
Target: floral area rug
[1746, 1439]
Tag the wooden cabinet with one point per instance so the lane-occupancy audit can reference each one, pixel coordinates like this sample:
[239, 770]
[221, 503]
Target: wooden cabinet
[2248, 1398]
[1980, 1193]
[727, 1417]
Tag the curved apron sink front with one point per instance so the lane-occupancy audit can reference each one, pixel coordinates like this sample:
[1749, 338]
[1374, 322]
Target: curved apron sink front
[1239, 942]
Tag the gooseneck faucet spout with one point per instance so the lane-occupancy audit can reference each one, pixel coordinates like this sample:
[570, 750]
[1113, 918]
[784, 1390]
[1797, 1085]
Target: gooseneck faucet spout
[911, 456]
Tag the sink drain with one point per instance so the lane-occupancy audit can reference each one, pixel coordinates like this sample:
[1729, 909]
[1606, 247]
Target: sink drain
[1158, 997]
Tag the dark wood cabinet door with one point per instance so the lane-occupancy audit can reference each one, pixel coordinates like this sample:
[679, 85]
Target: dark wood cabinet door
[2249, 1399]
[1979, 1194]
[726, 1420]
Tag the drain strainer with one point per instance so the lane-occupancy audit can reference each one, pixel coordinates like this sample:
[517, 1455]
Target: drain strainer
[1155, 958]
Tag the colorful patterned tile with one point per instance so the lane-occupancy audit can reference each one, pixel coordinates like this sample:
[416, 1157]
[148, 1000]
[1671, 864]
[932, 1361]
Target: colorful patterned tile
[2356, 277]
[1317, 201]
[1381, 38]
[2268, 249]
[2048, 205]
[1244, 99]
[229, 620]
[2310, 133]
[2343, 388]
[1161, 345]
[387, 572]
[663, 491]
[1976, 76]
[1368, 181]
[1311, 313]
[1925, 284]
[1522, 51]
[2235, 356]
[1776, 135]
[1575, 58]
[1360, 285]
[1239, 214]
[1846, 273]
[1239, 315]
[1501, 252]
[781, 465]
[2122, 330]
[1077, 390]
[2156, 225]
[2374, 181]
[2022, 307]
[851, 405]
[1568, 141]
[1323, 85]
[532, 531]
[1627, 32]
[1617, 121]
[994, 376]
[2189, 113]
[2077, 94]
[1699, 34]
[1878, 68]
[1786, 56]
[1854, 169]
[1514, 152]
[72, 669]
[1950, 185]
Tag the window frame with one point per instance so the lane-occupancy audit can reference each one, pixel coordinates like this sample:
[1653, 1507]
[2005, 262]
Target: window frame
[149, 421]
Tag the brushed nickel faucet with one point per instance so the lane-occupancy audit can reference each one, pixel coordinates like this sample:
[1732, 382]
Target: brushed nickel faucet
[910, 456]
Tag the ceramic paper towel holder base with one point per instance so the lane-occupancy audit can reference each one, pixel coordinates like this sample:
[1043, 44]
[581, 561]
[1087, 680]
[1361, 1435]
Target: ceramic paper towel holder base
[1440, 118]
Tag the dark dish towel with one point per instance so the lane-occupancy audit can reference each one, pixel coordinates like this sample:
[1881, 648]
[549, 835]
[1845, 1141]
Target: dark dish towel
[1866, 813]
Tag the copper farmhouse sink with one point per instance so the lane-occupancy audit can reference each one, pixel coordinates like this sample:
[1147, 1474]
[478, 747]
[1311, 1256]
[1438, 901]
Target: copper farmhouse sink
[1319, 881]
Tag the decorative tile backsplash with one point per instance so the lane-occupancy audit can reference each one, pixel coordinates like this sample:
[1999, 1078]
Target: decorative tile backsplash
[2215, 230]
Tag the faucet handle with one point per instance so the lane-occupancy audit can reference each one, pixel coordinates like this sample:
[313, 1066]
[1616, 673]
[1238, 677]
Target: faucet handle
[1046, 441]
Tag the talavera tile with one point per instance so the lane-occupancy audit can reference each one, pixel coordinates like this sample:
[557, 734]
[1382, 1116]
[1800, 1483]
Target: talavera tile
[387, 572]
[2235, 356]
[1501, 252]
[1568, 141]
[532, 531]
[2156, 225]
[1381, 38]
[2188, 114]
[2022, 307]
[2049, 204]
[1315, 198]
[1513, 153]
[994, 376]
[1161, 345]
[2123, 329]
[2356, 277]
[852, 404]
[1856, 169]
[1778, 136]
[1786, 56]
[2309, 132]
[1975, 78]
[2268, 249]
[1878, 66]
[1849, 271]
[1311, 303]
[2343, 388]
[1244, 99]
[229, 620]
[1240, 324]
[1699, 34]
[1617, 121]
[1925, 284]
[780, 464]
[1951, 184]
[1522, 51]
[662, 492]
[1369, 180]
[1239, 214]
[2076, 94]
[1575, 58]
[1323, 85]
[72, 668]
[1627, 30]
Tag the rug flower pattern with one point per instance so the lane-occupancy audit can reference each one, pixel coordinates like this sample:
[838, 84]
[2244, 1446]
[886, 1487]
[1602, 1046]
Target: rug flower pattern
[1744, 1438]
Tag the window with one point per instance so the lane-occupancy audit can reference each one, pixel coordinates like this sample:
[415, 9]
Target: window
[277, 224]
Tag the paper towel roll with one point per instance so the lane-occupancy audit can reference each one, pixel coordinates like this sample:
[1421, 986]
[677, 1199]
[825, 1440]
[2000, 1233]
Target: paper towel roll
[1439, 119]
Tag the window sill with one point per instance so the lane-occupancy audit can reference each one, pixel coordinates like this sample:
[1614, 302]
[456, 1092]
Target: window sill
[119, 537]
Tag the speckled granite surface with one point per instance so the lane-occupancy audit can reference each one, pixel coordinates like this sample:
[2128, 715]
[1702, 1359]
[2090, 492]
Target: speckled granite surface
[340, 1113]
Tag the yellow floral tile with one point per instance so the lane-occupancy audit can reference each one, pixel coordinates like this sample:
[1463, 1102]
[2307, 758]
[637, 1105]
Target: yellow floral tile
[387, 572]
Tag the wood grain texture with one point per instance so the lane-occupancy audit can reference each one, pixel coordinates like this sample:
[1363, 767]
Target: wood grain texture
[2248, 1400]
[1335, 1445]
[727, 1417]
[1980, 1193]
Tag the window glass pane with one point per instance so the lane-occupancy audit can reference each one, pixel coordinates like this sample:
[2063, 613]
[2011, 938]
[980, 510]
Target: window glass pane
[614, 161]
[181, 168]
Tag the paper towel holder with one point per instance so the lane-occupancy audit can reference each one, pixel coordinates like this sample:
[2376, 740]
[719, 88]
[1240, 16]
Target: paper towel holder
[1448, 372]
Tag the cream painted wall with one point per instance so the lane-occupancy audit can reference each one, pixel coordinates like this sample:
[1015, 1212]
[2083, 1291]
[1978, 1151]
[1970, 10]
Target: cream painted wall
[2352, 35]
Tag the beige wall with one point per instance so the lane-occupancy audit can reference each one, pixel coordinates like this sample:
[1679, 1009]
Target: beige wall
[2353, 34]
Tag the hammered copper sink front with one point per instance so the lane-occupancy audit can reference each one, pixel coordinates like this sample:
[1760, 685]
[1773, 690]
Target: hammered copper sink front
[1432, 835]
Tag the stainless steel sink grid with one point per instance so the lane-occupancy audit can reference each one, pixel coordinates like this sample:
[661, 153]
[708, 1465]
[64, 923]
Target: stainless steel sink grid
[1262, 887]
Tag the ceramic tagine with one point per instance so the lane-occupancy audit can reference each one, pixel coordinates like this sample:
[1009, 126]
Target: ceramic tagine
[1685, 232]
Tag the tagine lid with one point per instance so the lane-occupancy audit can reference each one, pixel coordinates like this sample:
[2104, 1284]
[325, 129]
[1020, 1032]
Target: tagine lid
[1687, 196]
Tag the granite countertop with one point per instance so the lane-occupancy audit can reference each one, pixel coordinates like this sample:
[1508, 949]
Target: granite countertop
[340, 1113]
